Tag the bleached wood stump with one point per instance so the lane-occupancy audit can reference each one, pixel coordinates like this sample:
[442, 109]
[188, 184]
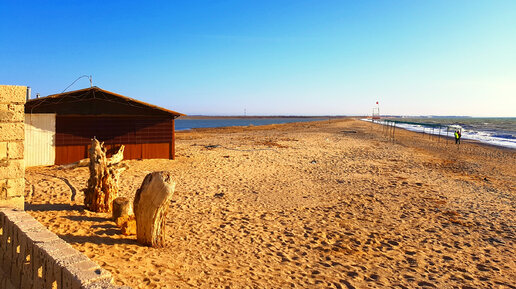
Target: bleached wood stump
[151, 206]
[102, 186]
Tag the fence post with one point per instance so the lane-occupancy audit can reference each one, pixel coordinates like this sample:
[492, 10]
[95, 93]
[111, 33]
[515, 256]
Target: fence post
[393, 130]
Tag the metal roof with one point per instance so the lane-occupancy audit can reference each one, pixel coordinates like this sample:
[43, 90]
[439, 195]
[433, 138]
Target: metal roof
[96, 101]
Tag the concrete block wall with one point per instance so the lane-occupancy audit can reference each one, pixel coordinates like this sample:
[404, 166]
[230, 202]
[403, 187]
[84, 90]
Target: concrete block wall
[32, 257]
[12, 133]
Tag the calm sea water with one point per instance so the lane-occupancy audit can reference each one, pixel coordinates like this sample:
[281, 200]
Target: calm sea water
[494, 131]
[184, 124]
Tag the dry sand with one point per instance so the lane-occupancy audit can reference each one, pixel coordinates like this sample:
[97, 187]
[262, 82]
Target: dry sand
[306, 205]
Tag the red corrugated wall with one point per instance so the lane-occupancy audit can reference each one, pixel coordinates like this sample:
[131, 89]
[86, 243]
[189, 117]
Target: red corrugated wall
[144, 137]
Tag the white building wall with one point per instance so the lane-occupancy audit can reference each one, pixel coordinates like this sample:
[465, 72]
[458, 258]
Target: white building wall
[40, 135]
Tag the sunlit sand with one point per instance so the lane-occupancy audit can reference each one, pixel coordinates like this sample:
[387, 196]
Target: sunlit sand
[323, 204]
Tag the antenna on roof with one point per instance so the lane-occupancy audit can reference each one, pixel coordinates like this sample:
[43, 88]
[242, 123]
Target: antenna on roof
[88, 76]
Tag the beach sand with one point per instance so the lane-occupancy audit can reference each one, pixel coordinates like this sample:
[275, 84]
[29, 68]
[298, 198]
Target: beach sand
[306, 205]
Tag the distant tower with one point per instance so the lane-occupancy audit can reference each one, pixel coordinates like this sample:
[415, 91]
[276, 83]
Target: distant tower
[245, 112]
[376, 111]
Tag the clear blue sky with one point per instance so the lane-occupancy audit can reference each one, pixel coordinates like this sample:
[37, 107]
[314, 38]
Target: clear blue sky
[271, 57]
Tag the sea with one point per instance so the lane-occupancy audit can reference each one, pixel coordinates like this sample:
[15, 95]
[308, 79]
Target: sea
[493, 131]
[185, 124]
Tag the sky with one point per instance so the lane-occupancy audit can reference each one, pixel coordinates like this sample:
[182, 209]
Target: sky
[279, 57]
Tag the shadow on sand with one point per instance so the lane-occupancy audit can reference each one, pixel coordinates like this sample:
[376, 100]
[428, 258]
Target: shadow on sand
[52, 207]
[99, 240]
[103, 230]
[87, 219]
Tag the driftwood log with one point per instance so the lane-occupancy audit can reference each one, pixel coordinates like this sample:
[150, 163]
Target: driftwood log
[151, 206]
[116, 158]
[102, 186]
[81, 163]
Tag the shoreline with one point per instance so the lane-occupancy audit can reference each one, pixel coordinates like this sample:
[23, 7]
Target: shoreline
[260, 126]
[450, 137]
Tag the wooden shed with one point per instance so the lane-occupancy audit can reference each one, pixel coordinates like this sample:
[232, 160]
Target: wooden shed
[59, 127]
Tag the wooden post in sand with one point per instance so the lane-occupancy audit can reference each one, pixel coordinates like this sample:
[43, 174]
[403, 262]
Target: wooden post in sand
[102, 186]
[393, 130]
[122, 207]
[151, 206]
[123, 216]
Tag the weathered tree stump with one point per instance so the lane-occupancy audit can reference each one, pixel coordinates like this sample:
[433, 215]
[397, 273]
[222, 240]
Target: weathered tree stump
[151, 206]
[102, 186]
[122, 207]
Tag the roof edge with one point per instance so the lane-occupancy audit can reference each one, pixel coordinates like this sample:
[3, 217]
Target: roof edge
[175, 113]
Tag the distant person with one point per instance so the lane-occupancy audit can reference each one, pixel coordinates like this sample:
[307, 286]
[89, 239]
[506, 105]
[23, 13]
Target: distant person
[457, 136]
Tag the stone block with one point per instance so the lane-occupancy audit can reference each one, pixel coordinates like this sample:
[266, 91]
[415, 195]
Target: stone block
[14, 215]
[50, 247]
[29, 224]
[73, 278]
[52, 273]
[27, 279]
[63, 251]
[85, 266]
[18, 217]
[5, 282]
[43, 236]
[13, 93]
[3, 150]
[12, 170]
[37, 261]
[85, 277]
[12, 131]
[5, 115]
[7, 248]
[18, 251]
[12, 112]
[71, 259]
[15, 150]
[67, 280]
[15, 187]
[13, 202]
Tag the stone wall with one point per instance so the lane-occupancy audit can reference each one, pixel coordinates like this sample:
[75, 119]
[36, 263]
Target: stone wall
[32, 257]
[12, 133]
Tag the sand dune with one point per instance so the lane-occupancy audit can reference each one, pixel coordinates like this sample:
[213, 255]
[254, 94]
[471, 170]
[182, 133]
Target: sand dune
[324, 204]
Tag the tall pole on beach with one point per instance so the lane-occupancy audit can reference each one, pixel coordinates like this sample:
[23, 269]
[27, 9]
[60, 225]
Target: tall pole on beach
[393, 130]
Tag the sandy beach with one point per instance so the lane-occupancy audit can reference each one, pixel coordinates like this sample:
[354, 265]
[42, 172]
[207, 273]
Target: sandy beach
[326, 204]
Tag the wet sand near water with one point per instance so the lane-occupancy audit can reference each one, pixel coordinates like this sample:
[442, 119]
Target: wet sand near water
[306, 205]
